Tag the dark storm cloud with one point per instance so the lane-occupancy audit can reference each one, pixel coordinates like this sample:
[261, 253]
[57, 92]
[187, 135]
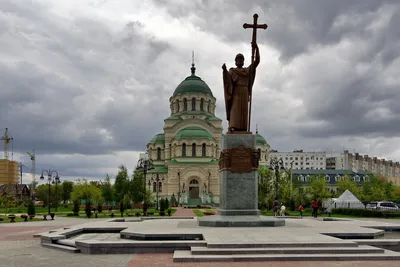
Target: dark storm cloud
[56, 75]
[96, 84]
[294, 26]
[356, 103]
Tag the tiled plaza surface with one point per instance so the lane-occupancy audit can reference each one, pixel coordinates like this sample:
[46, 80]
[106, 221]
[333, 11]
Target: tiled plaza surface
[18, 248]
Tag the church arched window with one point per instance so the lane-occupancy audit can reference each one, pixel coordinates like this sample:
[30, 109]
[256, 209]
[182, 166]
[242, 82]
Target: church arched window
[193, 104]
[184, 104]
[202, 104]
[159, 153]
[183, 150]
[159, 187]
[203, 150]
[177, 105]
[193, 150]
[194, 181]
[154, 187]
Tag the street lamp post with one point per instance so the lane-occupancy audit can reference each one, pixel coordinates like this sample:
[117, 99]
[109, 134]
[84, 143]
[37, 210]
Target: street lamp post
[57, 181]
[183, 191]
[50, 180]
[157, 177]
[179, 187]
[291, 186]
[276, 165]
[145, 165]
[149, 184]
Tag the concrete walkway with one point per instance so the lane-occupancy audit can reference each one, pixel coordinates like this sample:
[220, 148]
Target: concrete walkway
[183, 212]
[19, 248]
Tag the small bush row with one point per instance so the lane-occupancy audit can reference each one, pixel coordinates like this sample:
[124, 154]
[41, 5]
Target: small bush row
[367, 213]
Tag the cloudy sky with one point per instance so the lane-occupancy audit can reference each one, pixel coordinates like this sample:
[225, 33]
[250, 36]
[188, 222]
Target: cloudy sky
[86, 83]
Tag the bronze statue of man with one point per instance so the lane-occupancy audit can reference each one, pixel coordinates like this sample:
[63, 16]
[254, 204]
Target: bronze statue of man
[238, 83]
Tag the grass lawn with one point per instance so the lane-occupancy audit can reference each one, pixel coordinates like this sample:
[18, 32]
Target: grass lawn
[19, 220]
[117, 214]
[200, 213]
[37, 209]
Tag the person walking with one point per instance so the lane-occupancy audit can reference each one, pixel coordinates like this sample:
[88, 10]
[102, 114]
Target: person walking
[300, 208]
[314, 204]
[275, 207]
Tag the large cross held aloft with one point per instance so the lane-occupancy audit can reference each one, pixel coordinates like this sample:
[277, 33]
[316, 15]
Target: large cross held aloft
[254, 26]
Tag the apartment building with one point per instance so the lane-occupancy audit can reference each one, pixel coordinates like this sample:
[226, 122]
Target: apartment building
[300, 160]
[356, 162]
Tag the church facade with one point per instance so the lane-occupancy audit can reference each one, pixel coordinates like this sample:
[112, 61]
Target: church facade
[185, 154]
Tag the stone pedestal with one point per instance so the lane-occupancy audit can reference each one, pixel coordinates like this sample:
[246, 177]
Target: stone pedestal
[239, 186]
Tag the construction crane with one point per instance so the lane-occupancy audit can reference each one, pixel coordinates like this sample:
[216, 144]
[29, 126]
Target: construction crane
[33, 159]
[7, 139]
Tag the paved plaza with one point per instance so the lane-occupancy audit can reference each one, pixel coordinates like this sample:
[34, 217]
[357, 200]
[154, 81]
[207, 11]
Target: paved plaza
[18, 247]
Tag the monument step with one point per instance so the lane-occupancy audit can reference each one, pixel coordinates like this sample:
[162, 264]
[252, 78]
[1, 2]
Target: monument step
[283, 245]
[187, 256]
[61, 247]
[66, 242]
[291, 250]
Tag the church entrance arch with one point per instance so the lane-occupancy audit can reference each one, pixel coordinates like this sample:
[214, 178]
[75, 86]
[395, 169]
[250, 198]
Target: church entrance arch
[194, 188]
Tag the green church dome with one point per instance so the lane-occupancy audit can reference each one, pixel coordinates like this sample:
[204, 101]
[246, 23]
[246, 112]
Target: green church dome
[158, 138]
[193, 133]
[260, 140]
[192, 84]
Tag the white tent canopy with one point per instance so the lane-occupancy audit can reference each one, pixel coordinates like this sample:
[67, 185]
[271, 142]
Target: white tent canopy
[347, 200]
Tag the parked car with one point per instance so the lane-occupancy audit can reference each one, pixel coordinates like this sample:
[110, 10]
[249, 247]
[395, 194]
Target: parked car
[383, 205]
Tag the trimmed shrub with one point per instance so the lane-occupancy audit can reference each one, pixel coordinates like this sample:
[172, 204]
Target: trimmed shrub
[76, 207]
[88, 209]
[367, 213]
[31, 208]
[162, 207]
[122, 208]
[100, 207]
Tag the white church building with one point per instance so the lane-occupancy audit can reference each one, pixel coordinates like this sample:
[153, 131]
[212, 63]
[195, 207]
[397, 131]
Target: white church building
[185, 154]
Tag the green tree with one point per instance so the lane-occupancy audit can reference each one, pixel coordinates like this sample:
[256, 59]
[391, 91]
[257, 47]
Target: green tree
[83, 190]
[121, 184]
[319, 189]
[107, 190]
[397, 194]
[42, 193]
[137, 187]
[126, 201]
[266, 193]
[66, 190]
[377, 189]
[349, 184]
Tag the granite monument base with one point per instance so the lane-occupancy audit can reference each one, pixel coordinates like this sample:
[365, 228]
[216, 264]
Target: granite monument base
[239, 221]
[239, 186]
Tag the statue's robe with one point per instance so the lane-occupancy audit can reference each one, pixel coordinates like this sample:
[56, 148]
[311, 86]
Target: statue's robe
[237, 90]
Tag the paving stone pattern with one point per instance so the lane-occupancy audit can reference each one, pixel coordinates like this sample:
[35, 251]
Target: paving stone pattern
[183, 212]
[19, 249]
[165, 260]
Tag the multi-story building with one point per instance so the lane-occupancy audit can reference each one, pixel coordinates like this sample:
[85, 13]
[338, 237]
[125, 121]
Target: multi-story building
[356, 162]
[9, 172]
[331, 177]
[300, 160]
